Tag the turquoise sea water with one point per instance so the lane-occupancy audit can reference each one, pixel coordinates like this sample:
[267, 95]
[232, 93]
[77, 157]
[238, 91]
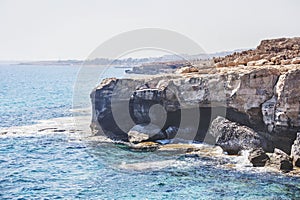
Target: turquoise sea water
[30, 93]
[57, 167]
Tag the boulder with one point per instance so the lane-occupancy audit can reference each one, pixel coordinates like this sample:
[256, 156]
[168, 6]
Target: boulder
[295, 152]
[281, 161]
[251, 63]
[241, 61]
[232, 137]
[296, 60]
[141, 132]
[285, 62]
[188, 69]
[258, 157]
[261, 62]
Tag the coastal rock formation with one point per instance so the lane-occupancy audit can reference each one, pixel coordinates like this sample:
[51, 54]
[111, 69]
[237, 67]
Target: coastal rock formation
[258, 157]
[140, 133]
[144, 146]
[272, 52]
[295, 152]
[157, 67]
[280, 160]
[259, 91]
[233, 138]
[189, 69]
[265, 99]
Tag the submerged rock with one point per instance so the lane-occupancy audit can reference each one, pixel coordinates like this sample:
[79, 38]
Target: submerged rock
[281, 161]
[295, 152]
[232, 137]
[258, 157]
[140, 133]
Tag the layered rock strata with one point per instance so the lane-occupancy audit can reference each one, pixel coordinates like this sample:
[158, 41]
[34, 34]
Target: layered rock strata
[245, 101]
[264, 98]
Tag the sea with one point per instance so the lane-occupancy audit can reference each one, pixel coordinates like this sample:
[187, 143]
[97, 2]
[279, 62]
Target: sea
[60, 164]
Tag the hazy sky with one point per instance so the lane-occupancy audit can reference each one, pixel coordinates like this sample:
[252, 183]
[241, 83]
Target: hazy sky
[72, 29]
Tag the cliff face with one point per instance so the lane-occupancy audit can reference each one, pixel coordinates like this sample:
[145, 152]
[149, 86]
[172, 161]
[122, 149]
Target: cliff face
[256, 88]
[265, 98]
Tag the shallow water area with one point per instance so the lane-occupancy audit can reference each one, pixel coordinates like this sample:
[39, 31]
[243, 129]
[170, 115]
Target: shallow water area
[68, 165]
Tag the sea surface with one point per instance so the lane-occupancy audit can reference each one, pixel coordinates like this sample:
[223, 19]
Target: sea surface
[59, 166]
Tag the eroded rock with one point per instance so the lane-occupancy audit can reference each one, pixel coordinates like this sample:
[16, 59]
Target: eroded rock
[144, 146]
[258, 157]
[232, 137]
[296, 60]
[281, 161]
[140, 133]
[295, 152]
[264, 98]
[188, 69]
[275, 51]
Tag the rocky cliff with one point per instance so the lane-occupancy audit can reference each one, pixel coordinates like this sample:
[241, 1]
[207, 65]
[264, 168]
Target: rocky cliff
[282, 51]
[264, 97]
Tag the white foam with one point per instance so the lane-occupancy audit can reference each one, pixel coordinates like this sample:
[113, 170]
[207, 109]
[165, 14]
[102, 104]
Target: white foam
[69, 125]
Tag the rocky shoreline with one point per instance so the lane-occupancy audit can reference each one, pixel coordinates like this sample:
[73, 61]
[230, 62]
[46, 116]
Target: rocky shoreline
[240, 106]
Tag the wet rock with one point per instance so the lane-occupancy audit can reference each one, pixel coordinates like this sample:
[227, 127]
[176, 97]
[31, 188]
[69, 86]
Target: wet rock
[144, 146]
[281, 161]
[232, 137]
[46, 129]
[171, 132]
[140, 133]
[258, 157]
[179, 148]
[295, 152]
[59, 130]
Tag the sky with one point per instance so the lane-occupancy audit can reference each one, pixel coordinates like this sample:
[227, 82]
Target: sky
[72, 29]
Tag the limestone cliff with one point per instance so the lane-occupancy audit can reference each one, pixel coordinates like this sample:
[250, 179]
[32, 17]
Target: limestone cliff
[264, 96]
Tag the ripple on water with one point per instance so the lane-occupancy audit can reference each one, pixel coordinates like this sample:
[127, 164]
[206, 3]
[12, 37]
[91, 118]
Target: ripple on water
[55, 166]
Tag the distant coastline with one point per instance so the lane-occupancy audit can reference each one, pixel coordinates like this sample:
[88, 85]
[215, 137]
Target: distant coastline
[126, 61]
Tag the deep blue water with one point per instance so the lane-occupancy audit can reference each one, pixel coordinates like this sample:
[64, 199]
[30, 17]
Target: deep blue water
[57, 167]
